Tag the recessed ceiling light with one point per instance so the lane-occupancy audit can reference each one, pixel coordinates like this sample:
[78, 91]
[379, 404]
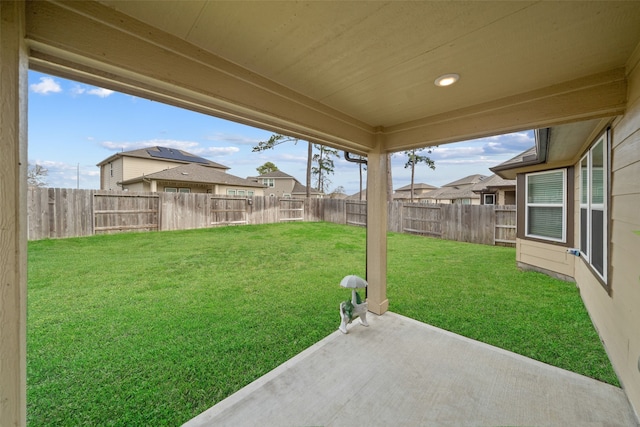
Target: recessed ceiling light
[446, 80]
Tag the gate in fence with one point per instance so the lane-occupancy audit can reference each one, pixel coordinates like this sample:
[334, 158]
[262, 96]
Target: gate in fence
[228, 211]
[291, 210]
[125, 212]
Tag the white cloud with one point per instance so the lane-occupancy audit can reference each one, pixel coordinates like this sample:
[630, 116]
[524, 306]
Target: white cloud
[135, 145]
[189, 146]
[78, 90]
[46, 86]
[101, 92]
[228, 138]
[96, 91]
[215, 151]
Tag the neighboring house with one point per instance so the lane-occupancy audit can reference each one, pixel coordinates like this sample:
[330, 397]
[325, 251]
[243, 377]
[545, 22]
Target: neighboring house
[460, 191]
[162, 169]
[280, 184]
[578, 204]
[496, 190]
[359, 196]
[420, 191]
[195, 178]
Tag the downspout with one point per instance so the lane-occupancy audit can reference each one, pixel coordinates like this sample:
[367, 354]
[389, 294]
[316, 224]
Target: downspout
[348, 158]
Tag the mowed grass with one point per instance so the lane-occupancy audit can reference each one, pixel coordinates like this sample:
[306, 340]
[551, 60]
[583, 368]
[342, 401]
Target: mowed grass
[154, 328]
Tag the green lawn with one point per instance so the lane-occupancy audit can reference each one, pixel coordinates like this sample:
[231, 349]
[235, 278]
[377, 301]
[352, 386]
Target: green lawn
[154, 328]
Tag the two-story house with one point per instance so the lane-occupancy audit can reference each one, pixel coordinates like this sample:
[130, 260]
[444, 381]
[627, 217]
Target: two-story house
[459, 191]
[280, 184]
[162, 169]
[420, 192]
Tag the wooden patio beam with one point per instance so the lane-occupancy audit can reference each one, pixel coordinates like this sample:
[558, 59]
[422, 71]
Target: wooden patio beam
[83, 41]
[13, 215]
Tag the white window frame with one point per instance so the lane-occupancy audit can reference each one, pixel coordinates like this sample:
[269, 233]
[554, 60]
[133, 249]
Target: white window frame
[269, 182]
[493, 197]
[184, 190]
[590, 206]
[231, 192]
[527, 205]
[170, 190]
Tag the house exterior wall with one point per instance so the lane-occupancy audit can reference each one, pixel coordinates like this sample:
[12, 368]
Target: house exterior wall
[545, 258]
[617, 316]
[138, 186]
[506, 197]
[614, 312]
[111, 174]
[134, 167]
[222, 190]
[125, 167]
[281, 187]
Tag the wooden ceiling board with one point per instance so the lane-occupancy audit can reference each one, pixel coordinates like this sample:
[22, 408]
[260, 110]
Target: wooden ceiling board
[312, 67]
[376, 61]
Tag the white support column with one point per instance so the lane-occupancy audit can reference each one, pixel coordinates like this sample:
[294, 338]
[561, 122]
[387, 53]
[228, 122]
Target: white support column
[13, 217]
[377, 228]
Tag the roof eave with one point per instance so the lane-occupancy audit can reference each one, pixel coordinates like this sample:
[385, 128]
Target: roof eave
[509, 171]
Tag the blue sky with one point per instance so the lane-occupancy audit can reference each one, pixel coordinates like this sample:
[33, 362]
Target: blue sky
[73, 126]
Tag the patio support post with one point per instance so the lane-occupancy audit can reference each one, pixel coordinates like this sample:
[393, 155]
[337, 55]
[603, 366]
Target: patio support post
[13, 217]
[377, 227]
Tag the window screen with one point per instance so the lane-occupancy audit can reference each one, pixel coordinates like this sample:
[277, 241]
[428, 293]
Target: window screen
[545, 215]
[593, 205]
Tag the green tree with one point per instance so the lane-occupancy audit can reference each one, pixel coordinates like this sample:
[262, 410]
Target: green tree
[36, 175]
[325, 166]
[277, 139]
[266, 168]
[414, 158]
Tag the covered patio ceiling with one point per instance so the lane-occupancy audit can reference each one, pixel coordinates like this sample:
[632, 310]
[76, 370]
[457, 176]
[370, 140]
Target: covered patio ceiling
[352, 74]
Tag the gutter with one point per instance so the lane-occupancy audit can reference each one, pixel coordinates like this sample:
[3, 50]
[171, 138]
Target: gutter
[542, 137]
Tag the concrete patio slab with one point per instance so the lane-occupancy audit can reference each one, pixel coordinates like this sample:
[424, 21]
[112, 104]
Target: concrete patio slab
[400, 372]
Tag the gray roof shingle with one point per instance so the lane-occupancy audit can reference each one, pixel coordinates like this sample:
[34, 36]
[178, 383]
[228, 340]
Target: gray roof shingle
[198, 173]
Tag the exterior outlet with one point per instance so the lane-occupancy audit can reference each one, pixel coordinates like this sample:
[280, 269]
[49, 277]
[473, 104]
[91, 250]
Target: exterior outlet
[573, 251]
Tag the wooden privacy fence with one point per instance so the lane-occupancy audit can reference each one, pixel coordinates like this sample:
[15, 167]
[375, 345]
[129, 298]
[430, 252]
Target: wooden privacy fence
[487, 224]
[58, 213]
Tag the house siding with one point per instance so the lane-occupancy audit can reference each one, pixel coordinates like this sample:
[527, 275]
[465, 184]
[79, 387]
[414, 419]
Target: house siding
[111, 175]
[135, 167]
[546, 258]
[617, 316]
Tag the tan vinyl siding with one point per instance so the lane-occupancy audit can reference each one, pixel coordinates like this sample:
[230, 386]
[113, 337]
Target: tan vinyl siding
[281, 186]
[138, 186]
[135, 166]
[111, 175]
[549, 258]
[617, 316]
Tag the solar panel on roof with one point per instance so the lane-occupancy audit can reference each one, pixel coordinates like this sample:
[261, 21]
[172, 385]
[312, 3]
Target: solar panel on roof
[171, 154]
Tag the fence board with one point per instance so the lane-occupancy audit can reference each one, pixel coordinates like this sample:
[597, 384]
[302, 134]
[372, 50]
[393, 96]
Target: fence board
[356, 213]
[117, 211]
[228, 211]
[291, 210]
[333, 211]
[505, 234]
[420, 218]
